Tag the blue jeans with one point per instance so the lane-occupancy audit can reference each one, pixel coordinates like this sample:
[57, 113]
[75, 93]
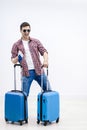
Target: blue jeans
[41, 80]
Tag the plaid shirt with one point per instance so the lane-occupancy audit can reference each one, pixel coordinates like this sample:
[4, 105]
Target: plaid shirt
[35, 48]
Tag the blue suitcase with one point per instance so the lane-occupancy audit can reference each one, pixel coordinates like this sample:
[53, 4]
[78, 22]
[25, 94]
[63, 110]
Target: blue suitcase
[16, 105]
[48, 109]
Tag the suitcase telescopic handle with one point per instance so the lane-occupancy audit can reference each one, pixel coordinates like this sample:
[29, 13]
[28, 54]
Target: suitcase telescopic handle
[15, 65]
[42, 79]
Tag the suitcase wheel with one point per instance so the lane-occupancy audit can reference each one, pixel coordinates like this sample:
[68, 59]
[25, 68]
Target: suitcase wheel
[45, 123]
[6, 119]
[38, 121]
[57, 120]
[26, 120]
[20, 122]
[12, 122]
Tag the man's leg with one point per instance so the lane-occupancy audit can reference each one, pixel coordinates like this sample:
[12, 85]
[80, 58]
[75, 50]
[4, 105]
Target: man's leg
[43, 81]
[26, 82]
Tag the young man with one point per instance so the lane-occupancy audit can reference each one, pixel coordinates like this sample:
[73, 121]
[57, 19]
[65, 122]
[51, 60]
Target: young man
[26, 51]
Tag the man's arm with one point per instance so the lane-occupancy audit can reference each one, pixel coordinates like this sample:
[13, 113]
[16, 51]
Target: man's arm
[45, 62]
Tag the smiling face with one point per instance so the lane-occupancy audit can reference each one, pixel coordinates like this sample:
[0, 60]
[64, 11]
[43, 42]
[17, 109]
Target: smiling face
[25, 31]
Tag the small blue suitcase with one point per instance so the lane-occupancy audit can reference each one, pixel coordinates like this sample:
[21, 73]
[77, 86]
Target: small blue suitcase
[16, 105]
[48, 109]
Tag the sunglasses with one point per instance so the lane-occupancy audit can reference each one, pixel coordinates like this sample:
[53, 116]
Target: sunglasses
[26, 30]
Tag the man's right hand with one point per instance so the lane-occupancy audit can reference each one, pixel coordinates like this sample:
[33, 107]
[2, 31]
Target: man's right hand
[14, 60]
[20, 56]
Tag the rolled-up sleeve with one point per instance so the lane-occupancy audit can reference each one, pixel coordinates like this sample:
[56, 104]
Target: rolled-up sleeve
[14, 51]
[41, 48]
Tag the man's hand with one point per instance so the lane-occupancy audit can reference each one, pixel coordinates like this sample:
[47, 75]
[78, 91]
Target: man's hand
[20, 56]
[14, 60]
[45, 64]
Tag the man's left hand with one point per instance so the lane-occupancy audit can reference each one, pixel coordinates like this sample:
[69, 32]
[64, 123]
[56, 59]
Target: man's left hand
[45, 64]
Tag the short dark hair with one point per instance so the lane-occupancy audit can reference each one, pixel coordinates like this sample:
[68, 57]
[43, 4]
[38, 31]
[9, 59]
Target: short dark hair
[24, 24]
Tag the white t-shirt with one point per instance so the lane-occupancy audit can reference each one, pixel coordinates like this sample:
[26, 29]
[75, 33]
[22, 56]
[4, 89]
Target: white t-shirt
[28, 55]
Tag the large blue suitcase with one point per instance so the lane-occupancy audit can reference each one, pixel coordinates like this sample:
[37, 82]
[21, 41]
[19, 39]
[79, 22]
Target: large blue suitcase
[16, 106]
[48, 107]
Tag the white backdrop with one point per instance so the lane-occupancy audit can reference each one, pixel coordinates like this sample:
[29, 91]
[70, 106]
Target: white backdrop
[61, 26]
